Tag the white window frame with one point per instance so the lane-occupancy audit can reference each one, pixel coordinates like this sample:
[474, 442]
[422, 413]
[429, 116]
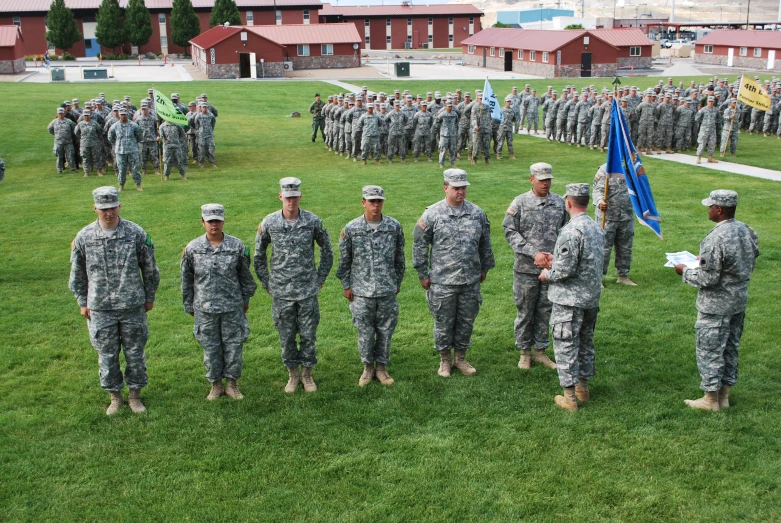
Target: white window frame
[250, 15]
[409, 22]
[306, 16]
[635, 51]
[758, 52]
[430, 21]
[545, 57]
[744, 51]
[161, 18]
[163, 41]
[470, 49]
[409, 38]
[707, 49]
[368, 41]
[302, 50]
[388, 40]
[326, 49]
[17, 21]
[366, 22]
[450, 20]
[387, 22]
[501, 52]
[532, 56]
[278, 17]
[431, 39]
[492, 51]
[451, 39]
[471, 19]
[520, 54]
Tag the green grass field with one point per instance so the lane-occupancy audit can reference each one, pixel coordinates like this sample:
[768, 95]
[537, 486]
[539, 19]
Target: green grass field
[491, 447]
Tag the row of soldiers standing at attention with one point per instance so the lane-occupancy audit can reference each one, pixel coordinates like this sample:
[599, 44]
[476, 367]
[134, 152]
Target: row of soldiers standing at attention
[558, 269]
[127, 138]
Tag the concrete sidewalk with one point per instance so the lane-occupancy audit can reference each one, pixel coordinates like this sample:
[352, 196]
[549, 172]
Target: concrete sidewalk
[118, 71]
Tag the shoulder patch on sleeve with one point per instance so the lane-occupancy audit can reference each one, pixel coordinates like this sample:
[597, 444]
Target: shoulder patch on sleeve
[148, 240]
[342, 234]
[511, 210]
[246, 251]
[422, 225]
[260, 228]
[184, 251]
[73, 245]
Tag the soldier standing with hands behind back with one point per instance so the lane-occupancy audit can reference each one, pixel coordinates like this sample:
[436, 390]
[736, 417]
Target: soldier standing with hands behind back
[619, 222]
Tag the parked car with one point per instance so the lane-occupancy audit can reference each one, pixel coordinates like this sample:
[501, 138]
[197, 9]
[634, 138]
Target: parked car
[682, 41]
[666, 43]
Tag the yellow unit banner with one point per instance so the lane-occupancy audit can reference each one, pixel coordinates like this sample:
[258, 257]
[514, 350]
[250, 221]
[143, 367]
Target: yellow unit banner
[753, 94]
[167, 110]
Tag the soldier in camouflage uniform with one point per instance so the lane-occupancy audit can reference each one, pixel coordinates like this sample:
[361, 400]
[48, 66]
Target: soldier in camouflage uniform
[192, 133]
[506, 129]
[581, 110]
[148, 144]
[173, 137]
[465, 110]
[707, 117]
[481, 130]
[531, 225]
[531, 107]
[346, 145]
[358, 111]
[371, 269]
[619, 222]
[338, 125]
[515, 103]
[89, 133]
[683, 126]
[448, 134]
[597, 110]
[124, 137]
[664, 131]
[572, 118]
[216, 288]
[562, 110]
[397, 123]
[114, 278]
[204, 125]
[2, 169]
[452, 254]
[421, 127]
[62, 130]
[645, 126]
[575, 288]
[727, 259]
[382, 111]
[729, 134]
[549, 110]
[294, 281]
[369, 127]
[324, 118]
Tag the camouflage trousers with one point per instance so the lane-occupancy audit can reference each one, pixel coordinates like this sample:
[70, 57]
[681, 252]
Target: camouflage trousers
[347, 143]
[664, 135]
[571, 130]
[645, 135]
[595, 137]
[550, 128]
[757, 119]
[768, 122]
[532, 119]
[125, 162]
[561, 128]
[375, 319]
[148, 151]
[582, 133]
[193, 139]
[683, 137]
[65, 152]
[172, 155]
[421, 141]
[729, 139]
[463, 139]
[635, 130]
[520, 116]
[339, 139]
[707, 140]
[718, 340]
[397, 144]
[505, 135]
[318, 123]
[222, 338]
[206, 148]
[480, 142]
[495, 136]
[573, 342]
[605, 135]
[454, 308]
[297, 317]
[357, 139]
[384, 143]
[112, 331]
[90, 157]
[534, 309]
[370, 146]
[183, 150]
[447, 148]
[621, 235]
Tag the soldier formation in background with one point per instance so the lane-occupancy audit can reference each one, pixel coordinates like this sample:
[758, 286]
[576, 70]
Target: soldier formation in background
[126, 138]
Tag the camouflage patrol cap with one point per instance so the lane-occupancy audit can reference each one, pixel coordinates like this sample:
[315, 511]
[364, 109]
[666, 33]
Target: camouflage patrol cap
[424, 103]
[515, 88]
[150, 91]
[449, 104]
[144, 106]
[467, 94]
[397, 103]
[212, 211]
[330, 97]
[711, 98]
[508, 98]
[554, 91]
[429, 93]
[528, 85]
[106, 197]
[624, 99]
[437, 95]
[174, 96]
[722, 198]
[577, 189]
[396, 91]
[364, 88]
[127, 97]
[542, 171]
[290, 187]
[75, 100]
[86, 112]
[191, 104]
[456, 178]
[102, 95]
[114, 102]
[458, 90]
[373, 192]
[122, 111]
[60, 110]
[550, 87]
[203, 95]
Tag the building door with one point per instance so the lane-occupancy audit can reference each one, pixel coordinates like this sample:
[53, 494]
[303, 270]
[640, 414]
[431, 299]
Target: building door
[730, 55]
[485, 57]
[585, 65]
[771, 58]
[253, 65]
[244, 65]
[508, 59]
[91, 47]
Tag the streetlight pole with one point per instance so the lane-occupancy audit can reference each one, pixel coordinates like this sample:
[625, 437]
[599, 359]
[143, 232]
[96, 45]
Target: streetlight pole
[748, 10]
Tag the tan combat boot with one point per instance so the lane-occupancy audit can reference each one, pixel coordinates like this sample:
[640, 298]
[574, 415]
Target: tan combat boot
[232, 390]
[486, 161]
[512, 157]
[134, 400]
[293, 380]
[367, 376]
[138, 187]
[624, 280]
[122, 187]
[216, 391]
[526, 359]
[498, 156]
[444, 363]
[581, 391]
[669, 151]
[307, 380]
[116, 402]
[724, 396]
[441, 165]
[461, 364]
[568, 401]
[711, 159]
[710, 401]
[383, 376]
[363, 162]
[697, 161]
[541, 357]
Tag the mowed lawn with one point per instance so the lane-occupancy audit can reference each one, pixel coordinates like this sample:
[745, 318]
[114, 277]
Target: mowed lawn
[490, 447]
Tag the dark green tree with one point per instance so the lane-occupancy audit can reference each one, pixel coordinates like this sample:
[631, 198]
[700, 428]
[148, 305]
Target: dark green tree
[110, 30]
[184, 24]
[500, 24]
[138, 23]
[225, 11]
[574, 26]
[62, 31]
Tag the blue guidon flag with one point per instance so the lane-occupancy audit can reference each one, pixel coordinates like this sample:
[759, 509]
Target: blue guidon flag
[623, 159]
[490, 101]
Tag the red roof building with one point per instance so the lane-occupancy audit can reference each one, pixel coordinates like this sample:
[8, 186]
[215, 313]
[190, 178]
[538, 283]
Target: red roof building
[408, 26]
[270, 50]
[559, 53]
[740, 48]
[11, 50]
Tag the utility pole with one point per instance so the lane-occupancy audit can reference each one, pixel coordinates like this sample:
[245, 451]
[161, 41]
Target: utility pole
[672, 12]
[748, 10]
